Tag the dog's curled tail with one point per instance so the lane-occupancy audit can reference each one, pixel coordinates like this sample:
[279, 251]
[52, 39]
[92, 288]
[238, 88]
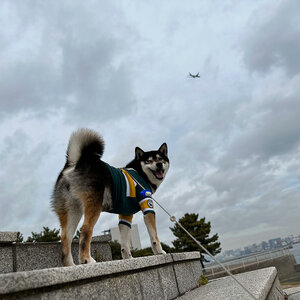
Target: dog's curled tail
[84, 142]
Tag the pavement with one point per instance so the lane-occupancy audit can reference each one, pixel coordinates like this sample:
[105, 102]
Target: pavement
[293, 293]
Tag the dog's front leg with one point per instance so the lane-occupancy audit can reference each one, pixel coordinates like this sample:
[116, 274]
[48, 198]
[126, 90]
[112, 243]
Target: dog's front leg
[125, 223]
[149, 219]
[125, 234]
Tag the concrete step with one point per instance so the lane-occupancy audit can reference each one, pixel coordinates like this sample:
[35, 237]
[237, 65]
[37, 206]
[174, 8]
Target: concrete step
[263, 284]
[153, 277]
[293, 293]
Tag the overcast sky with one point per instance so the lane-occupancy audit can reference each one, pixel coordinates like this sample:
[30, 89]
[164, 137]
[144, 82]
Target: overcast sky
[120, 67]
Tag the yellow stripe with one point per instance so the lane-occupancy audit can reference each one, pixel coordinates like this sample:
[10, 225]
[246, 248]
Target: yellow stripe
[127, 218]
[144, 205]
[131, 184]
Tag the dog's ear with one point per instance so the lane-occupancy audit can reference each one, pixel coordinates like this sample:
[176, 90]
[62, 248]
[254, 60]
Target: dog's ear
[163, 149]
[138, 153]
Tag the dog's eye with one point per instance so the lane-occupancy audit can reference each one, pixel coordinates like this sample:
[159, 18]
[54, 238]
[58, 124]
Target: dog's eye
[148, 161]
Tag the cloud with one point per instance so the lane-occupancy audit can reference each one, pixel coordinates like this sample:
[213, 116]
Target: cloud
[71, 65]
[244, 172]
[272, 119]
[273, 39]
[20, 180]
[232, 135]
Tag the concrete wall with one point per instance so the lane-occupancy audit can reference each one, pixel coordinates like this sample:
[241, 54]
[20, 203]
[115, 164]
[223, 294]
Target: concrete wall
[285, 266]
[6, 258]
[15, 257]
[8, 236]
[152, 277]
[6, 251]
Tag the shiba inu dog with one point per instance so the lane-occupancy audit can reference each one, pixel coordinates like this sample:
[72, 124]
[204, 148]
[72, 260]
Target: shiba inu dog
[87, 185]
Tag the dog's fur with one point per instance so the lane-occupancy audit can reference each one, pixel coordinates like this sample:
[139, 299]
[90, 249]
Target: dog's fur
[84, 187]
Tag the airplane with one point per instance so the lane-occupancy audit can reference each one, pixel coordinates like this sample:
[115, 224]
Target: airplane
[194, 76]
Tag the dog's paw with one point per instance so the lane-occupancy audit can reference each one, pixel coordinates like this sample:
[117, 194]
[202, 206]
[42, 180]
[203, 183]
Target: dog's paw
[159, 252]
[89, 260]
[126, 254]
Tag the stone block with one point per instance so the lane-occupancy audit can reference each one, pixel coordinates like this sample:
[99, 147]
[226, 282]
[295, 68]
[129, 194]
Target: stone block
[102, 238]
[8, 236]
[36, 256]
[150, 284]
[184, 256]
[152, 277]
[187, 274]
[100, 251]
[263, 284]
[53, 276]
[293, 293]
[6, 259]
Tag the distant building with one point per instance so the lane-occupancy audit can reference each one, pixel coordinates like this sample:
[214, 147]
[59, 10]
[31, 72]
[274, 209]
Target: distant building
[275, 243]
[265, 245]
[135, 237]
[247, 250]
[254, 248]
[237, 252]
[296, 239]
[229, 253]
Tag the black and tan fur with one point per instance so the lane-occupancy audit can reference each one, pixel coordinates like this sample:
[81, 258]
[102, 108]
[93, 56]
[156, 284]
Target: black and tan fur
[83, 187]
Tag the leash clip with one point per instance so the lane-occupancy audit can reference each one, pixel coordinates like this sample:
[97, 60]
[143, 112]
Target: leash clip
[146, 193]
[172, 219]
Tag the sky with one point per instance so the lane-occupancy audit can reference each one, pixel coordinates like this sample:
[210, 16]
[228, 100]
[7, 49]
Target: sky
[121, 68]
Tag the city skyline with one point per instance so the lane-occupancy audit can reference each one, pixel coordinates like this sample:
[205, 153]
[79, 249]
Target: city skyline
[273, 243]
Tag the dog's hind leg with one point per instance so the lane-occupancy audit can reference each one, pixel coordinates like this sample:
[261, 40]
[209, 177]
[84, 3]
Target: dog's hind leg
[68, 221]
[125, 234]
[92, 207]
[149, 219]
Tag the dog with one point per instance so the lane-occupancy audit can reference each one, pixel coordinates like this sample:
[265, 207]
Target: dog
[87, 185]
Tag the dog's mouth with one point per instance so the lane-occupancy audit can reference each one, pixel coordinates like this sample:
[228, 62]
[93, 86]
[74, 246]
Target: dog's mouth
[159, 174]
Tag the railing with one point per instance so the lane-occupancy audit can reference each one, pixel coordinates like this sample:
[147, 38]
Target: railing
[246, 261]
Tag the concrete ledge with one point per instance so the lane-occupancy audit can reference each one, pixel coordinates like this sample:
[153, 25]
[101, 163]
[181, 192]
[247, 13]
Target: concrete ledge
[263, 284]
[16, 257]
[187, 274]
[293, 293]
[8, 236]
[185, 256]
[153, 277]
[102, 238]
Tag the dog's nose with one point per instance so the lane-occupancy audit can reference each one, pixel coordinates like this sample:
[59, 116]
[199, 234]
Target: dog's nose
[159, 165]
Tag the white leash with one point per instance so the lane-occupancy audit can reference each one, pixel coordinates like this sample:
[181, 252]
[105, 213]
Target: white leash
[173, 219]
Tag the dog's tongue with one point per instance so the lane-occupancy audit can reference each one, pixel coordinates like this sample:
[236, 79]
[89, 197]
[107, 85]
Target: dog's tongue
[159, 174]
